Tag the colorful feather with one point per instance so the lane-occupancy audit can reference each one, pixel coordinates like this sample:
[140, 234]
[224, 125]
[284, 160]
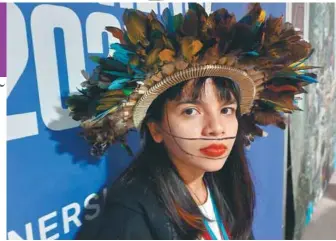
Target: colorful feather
[109, 64]
[136, 25]
[103, 114]
[269, 118]
[201, 15]
[153, 56]
[254, 18]
[190, 47]
[281, 88]
[116, 73]
[127, 92]
[177, 22]
[301, 61]
[190, 25]
[118, 83]
[273, 29]
[121, 54]
[117, 33]
[154, 23]
[211, 56]
[307, 79]
[271, 52]
[167, 18]
[167, 55]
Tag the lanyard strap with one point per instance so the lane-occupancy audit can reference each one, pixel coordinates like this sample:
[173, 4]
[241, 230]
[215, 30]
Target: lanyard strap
[219, 223]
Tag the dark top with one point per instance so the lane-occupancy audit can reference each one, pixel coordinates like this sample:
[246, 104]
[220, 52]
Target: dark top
[131, 212]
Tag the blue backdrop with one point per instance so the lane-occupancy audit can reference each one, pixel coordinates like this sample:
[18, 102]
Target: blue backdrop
[50, 175]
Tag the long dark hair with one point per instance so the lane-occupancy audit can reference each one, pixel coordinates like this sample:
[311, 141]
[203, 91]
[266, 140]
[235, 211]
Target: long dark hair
[231, 186]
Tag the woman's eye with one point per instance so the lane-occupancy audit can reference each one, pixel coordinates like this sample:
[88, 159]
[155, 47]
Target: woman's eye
[228, 111]
[190, 111]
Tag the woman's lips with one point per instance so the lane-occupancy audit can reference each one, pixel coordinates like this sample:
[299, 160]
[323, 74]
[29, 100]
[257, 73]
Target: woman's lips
[214, 150]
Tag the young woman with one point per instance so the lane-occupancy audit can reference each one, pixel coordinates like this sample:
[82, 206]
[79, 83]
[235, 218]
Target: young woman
[192, 168]
[197, 92]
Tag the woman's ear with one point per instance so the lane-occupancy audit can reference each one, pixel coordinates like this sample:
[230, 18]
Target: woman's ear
[155, 131]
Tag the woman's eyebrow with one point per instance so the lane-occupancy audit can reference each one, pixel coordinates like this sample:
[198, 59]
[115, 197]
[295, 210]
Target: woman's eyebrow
[197, 101]
[231, 102]
[189, 101]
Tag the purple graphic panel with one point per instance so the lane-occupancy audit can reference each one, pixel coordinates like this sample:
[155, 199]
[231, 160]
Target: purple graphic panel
[2, 39]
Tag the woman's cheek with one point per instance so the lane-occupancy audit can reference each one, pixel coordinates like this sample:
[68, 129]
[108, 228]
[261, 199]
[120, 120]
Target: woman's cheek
[233, 122]
[189, 128]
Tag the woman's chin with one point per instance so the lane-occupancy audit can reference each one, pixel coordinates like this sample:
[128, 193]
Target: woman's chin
[214, 165]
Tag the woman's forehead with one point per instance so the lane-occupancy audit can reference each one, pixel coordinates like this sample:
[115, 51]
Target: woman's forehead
[189, 92]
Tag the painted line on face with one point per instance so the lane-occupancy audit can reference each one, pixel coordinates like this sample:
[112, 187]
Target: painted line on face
[174, 138]
[199, 138]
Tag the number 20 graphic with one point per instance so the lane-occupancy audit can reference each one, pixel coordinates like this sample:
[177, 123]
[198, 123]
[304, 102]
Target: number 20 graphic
[45, 18]
[44, 48]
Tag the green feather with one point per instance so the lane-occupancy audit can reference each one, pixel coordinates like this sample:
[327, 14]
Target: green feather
[116, 73]
[95, 59]
[127, 92]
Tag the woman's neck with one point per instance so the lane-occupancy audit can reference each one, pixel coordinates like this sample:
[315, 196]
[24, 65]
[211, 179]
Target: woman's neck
[193, 179]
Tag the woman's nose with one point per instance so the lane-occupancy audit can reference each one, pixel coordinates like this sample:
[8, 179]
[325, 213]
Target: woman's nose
[213, 125]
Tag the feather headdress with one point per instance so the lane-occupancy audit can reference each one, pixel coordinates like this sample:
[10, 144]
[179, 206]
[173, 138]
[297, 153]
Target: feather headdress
[265, 56]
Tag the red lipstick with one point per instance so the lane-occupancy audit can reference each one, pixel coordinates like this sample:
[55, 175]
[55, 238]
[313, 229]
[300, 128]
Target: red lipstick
[214, 150]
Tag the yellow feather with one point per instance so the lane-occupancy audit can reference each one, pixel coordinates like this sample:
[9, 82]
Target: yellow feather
[293, 64]
[190, 47]
[262, 16]
[105, 107]
[115, 93]
[152, 56]
[167, 55]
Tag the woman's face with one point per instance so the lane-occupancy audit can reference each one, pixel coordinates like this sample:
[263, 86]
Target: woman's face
[201, 133]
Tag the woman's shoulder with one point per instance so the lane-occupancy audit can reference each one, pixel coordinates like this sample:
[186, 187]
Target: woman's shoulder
[124, 214]
[133, 211]
[132, 194]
